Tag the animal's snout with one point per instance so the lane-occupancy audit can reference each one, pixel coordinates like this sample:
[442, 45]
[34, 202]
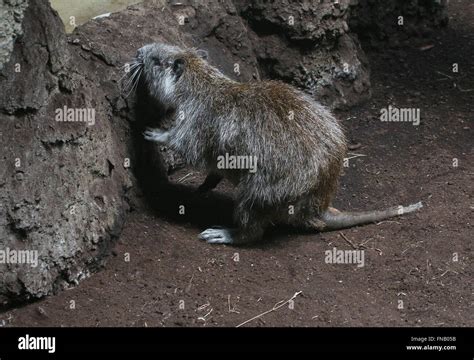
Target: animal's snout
[140, 54]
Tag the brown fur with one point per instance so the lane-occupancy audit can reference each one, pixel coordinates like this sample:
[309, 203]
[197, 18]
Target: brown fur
[299, 144]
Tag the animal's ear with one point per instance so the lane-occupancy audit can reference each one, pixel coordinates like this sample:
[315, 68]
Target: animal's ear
[178, 67]
[203, 54]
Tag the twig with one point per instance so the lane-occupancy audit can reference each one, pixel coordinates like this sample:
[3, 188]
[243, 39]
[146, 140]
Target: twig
[348, 241]
[427, 47]
[387, 221]
[188, 288]
[203, 318]
[184, 177]
[439, 72]
[233, 307]
[449, 270]
[149, 303]
[202, 307]
[354, 156]
[365, 242]
[275, 307]
[456, 85]
[464, 90]
[412, 246]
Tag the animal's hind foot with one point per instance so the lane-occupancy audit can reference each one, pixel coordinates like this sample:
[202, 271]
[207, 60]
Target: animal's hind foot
[217, 236]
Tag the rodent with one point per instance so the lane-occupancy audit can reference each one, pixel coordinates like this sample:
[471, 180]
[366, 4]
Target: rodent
[297, 144]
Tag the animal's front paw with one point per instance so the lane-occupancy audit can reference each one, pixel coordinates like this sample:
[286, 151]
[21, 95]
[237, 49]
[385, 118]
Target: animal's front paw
[156, 135]
[217, 236]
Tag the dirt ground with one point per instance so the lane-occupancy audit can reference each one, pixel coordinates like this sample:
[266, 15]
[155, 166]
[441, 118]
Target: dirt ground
[411, 276]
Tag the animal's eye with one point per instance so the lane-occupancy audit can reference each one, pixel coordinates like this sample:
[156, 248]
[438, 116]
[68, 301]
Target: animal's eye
[156, 60]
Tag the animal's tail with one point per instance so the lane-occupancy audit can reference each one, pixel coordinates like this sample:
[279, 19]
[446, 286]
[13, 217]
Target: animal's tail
[334, 219]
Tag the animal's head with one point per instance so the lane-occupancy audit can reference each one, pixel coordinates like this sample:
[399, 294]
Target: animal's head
[159, 67]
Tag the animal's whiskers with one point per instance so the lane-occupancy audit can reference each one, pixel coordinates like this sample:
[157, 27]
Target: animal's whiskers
[129, 81]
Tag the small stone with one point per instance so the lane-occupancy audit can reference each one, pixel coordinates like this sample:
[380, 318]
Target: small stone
[41, 311]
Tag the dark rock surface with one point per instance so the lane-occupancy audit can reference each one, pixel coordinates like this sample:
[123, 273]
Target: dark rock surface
[309, 45]
[11, 16]
[62, 184]
[387, 22]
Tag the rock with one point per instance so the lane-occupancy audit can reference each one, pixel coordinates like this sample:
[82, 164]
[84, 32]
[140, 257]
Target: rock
[378, 20]
[309, 46]
[52, 171]
[11, 16]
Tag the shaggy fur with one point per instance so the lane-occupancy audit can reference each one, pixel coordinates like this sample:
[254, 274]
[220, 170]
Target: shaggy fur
[298, 143]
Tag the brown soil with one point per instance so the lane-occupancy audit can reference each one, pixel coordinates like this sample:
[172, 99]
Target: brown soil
[408, 259]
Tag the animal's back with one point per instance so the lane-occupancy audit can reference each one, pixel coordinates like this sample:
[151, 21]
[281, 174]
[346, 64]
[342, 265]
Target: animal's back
[297, 142]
